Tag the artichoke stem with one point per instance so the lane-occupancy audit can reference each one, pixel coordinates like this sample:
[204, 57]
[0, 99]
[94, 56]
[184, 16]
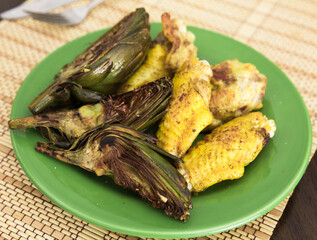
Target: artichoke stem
[22, 123]
[57, 153]
[41, 102]
[51, 151]
[47, 97]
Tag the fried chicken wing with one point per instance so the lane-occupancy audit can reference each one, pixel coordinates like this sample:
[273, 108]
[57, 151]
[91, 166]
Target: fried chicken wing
[225, 152]
[182, 42]
[188, 111]
[240, 88]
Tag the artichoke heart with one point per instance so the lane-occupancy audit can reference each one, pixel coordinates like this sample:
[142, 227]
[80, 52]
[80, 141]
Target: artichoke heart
[133, 161]
[138, 109]
[102, 67]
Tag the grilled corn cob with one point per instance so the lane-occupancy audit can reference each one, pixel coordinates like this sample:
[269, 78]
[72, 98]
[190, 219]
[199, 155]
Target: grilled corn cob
[188, 111]
[224, 153]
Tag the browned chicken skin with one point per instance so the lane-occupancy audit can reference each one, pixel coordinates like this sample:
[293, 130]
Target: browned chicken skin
[240, 88]
[182, 42]
[224, 153]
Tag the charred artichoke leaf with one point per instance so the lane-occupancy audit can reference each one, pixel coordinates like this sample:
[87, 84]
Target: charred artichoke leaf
[139, 109]
[127, 56]
[147, 104]
[67, 91]
[132, 23]
[93, 75]
[109, 61]
[84, 96]
[131, 159]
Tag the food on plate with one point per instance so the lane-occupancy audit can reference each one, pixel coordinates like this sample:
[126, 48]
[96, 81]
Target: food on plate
[188, 111]
[133, 161]
[102, 67]
[99, 104]
[138, 109]
[172, 47]
[182, 42]
[239, 89]
[152, 68]
[224, 153]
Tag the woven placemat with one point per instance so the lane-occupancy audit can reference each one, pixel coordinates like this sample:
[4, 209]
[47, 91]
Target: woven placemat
[285, 31]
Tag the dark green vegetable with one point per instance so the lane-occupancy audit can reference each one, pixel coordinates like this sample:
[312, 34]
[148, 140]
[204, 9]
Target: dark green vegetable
[133, 160]
[138, 109]
[98, 71]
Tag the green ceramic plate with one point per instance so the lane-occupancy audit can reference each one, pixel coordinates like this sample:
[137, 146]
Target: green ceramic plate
[267, 181]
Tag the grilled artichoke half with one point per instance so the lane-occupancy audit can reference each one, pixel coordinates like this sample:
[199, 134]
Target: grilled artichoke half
[133, 160]
[138, 109]
[102, 67]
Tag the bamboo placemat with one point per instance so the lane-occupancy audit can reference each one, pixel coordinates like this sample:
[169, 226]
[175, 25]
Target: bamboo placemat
[285, 31]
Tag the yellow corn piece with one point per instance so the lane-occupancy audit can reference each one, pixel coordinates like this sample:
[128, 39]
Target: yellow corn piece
[188, 112]
[225, 152]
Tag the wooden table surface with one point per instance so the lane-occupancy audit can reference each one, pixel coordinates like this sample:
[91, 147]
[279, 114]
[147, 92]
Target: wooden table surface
[299, 220]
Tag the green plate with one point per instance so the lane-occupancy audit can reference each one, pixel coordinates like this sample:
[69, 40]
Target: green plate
[267, 181]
